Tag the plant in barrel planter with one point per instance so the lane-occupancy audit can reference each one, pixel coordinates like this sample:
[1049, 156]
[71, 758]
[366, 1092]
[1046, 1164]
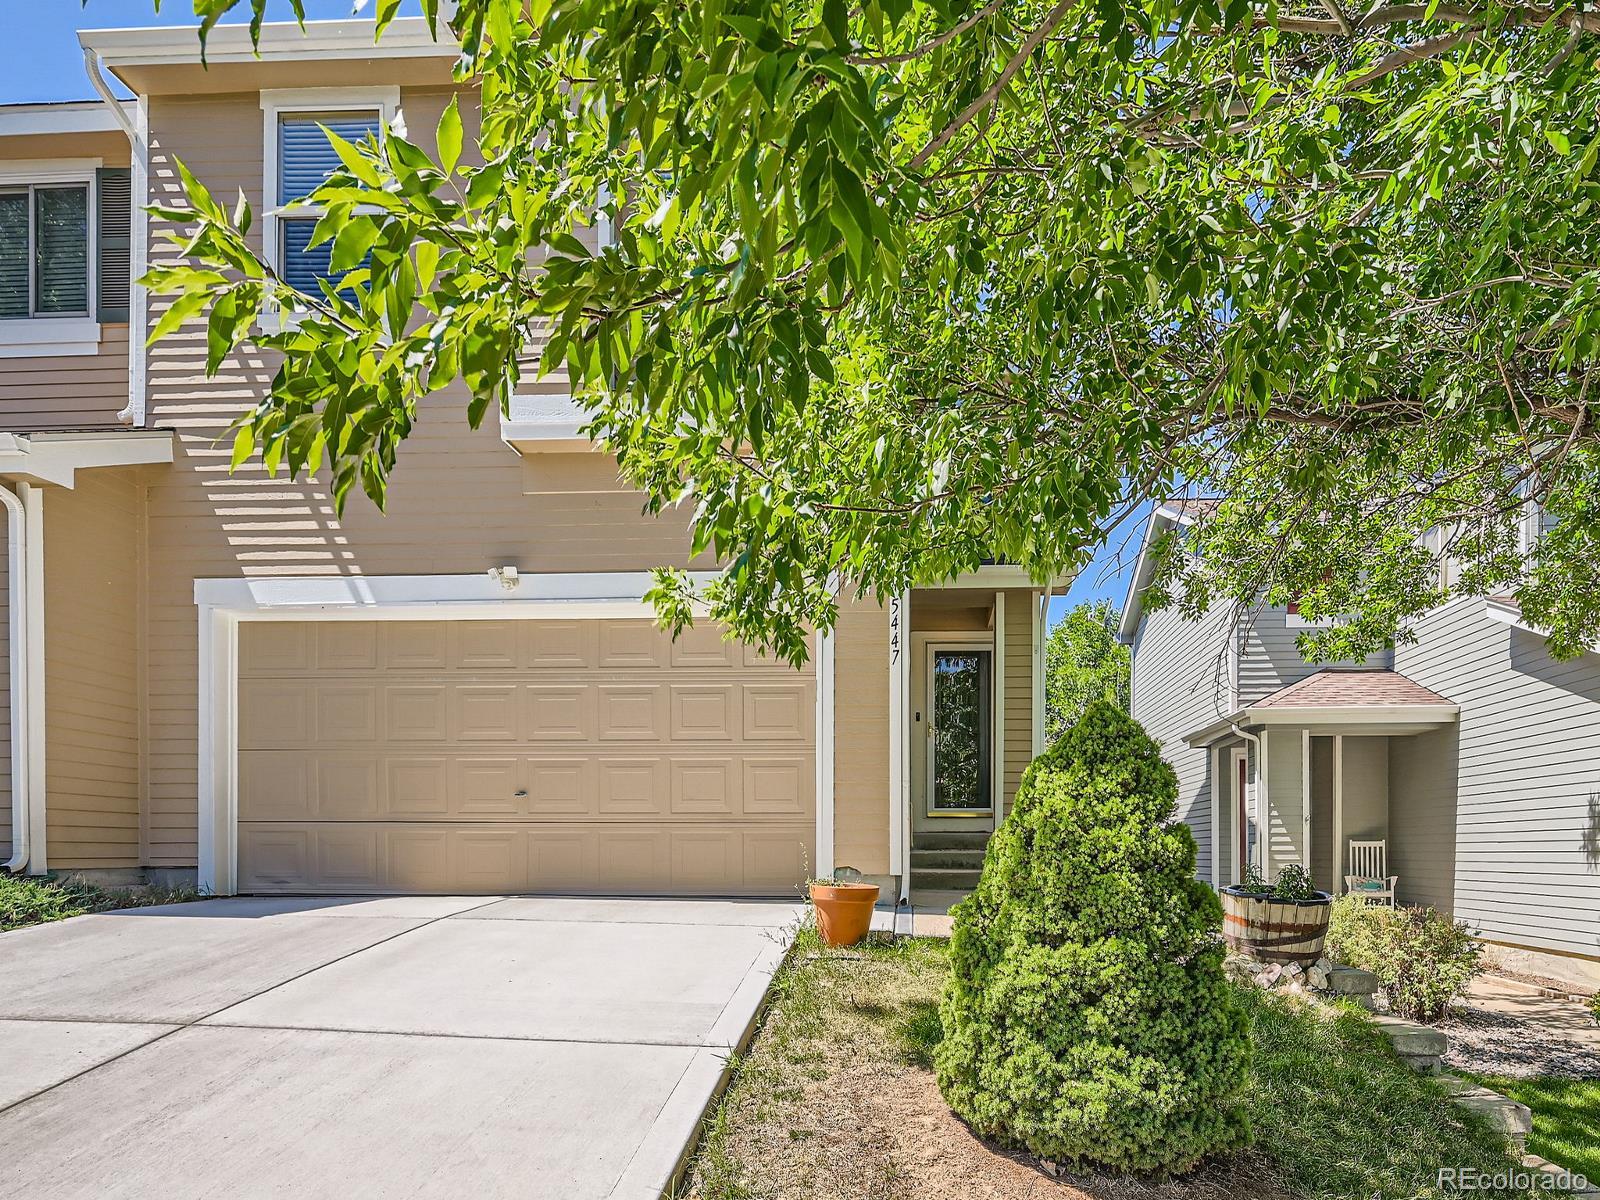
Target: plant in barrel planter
[843, 905]
[1283, 922]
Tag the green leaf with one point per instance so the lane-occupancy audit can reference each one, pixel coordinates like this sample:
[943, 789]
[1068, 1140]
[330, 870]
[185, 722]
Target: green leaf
[450, 136]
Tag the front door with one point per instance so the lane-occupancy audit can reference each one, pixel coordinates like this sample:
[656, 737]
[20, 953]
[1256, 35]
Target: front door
[960, 731]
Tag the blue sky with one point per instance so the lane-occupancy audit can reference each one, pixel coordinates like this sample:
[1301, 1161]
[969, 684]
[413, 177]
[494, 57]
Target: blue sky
[42, 62]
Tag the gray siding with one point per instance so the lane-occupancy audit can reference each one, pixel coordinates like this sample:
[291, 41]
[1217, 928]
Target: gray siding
[1180, 682]
[1269, 657]
[1527, 811]
[1286, 785]
[1422, 817]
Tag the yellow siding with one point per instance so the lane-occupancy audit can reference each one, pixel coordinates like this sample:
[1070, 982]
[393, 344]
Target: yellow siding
[91, 671]
[68, 392]
[1020, 609]
[460, 501]
[861, 738]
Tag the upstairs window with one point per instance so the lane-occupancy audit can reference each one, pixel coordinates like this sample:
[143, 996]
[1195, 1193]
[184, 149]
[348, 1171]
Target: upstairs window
[44, 251]
[305, 160]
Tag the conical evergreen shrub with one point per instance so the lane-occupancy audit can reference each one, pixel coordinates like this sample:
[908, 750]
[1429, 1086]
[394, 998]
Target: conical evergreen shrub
[1087, 1019]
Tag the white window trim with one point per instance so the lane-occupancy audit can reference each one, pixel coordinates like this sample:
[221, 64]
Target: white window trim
[57, 336]
[224, 604]
[279, 102]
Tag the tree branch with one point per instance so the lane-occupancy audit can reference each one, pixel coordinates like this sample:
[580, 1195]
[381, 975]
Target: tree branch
[928, 47]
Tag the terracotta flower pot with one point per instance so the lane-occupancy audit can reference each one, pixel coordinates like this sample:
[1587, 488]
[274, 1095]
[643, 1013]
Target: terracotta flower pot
[844, 911]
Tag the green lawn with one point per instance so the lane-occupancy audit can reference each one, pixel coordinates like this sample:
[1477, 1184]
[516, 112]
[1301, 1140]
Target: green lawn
[26, 900]
[1566, 1119]
[835, 1098]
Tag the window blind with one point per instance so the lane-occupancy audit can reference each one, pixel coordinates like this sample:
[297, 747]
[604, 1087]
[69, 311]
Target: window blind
[61, 250]
[305, 160]
[13, 254]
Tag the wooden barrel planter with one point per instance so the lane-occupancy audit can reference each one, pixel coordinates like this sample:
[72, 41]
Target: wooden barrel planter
[1271, 929]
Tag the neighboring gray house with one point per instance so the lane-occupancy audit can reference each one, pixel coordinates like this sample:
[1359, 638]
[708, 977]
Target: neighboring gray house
[1471, 752]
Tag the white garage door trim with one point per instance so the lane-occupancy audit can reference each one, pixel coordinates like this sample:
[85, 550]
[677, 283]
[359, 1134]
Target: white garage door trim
[224, 603]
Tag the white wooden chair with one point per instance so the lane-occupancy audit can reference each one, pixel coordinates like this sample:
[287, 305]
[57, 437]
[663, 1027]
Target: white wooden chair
[1369, 875]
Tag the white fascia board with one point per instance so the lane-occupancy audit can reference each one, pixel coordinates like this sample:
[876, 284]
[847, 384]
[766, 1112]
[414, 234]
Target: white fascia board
[57, 457]
[90, 116]
[435, 597]
[1353, 714]
[1161, 520]
[999, 575]
[282, 41]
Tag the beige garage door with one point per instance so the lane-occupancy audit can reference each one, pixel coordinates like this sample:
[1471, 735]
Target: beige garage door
[517, 756]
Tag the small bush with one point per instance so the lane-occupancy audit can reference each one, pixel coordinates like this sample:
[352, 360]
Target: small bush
[1087, 1018]
[1423, 960]
[33, 900]
[1594, 1006]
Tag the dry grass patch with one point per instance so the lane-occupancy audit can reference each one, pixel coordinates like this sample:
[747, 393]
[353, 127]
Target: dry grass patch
[836, 1098]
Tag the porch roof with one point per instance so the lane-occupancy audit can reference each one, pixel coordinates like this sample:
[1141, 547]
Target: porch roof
[1342, 700]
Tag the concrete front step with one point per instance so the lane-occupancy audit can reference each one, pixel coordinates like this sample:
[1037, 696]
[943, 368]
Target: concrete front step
[933, 860]
[935, 900]
[955, 840]
[1420, 1046]
[945, 879]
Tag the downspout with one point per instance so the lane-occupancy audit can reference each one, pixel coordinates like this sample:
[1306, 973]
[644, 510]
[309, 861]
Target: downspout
[139, 250]
[1262, 828]
[17, 596]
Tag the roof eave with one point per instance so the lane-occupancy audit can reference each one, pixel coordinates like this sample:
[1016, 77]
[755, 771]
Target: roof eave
[283, 41]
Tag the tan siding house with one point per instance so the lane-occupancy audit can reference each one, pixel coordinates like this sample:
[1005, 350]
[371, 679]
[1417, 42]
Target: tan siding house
[466, 693]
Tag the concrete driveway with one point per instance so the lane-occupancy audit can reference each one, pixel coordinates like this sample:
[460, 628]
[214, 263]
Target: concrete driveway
[393, 1047]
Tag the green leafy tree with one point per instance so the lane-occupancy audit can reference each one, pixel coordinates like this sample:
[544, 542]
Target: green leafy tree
[901, 286]
[1083, 662]
[1087, 1018]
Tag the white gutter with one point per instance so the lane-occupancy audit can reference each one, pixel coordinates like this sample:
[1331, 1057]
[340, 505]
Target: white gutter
[138, 131]
[1263, 833]
[25, 584]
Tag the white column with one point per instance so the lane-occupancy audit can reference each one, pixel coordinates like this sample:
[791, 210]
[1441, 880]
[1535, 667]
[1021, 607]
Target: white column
[1338, 814]
[823, 867]
[997, 765]
[219, 733]
[33, 513]
[900, 739]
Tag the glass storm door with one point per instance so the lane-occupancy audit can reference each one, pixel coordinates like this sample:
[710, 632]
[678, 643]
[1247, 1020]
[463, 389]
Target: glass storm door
[959, 731]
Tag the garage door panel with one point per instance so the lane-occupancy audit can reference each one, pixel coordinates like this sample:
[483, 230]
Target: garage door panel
[347, 713]
[569, 645]
[278, 648]
[490, 860]
[506, 756]
[347, 645]
[274, 714]
[631, 644]
[418, 859]
[347, 856]
[418, 786]
[778, 787]
[488, 787]
[705, 786]
[631, 713]
[414, 645]
[559, 713]
[483, 645]
[703, 712]
[347, 787]
[485, 713]
[275, 785]
[704, 860]
[275, 859]
[565, 859]
[416, 713]
[778, 712]
[560, 787]
[703, 646]
[632, 786]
